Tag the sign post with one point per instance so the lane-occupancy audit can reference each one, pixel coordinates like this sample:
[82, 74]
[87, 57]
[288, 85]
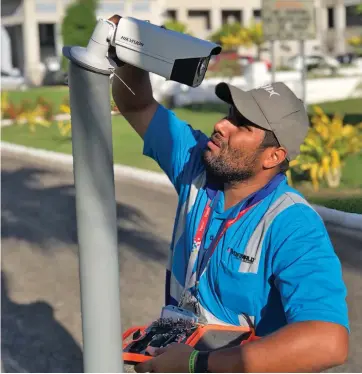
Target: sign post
[302, 54]
[272, 55]
[289, 20]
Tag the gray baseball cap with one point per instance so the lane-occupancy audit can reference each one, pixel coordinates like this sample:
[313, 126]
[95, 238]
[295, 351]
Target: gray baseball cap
[273, 107]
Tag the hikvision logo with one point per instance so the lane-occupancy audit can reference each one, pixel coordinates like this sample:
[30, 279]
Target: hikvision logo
[129, 40]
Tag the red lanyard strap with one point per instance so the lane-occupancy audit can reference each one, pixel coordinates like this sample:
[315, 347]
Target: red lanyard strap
[204, 254]
[200, 255]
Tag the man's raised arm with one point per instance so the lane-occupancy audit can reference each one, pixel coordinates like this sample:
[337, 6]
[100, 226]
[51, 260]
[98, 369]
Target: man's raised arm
[137, 109]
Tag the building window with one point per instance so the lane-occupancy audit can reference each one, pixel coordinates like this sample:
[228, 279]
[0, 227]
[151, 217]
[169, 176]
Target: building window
[106, 7]
[231, 16]
[46, 34]
[257, 14]
[200, 17]
[45, 7]
[16, 41]
[171, 14]
[353, 18]
[330, 18]
[140, 6]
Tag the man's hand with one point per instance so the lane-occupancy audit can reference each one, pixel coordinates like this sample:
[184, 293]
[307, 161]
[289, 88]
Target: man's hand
[172, 359]
[309, 346]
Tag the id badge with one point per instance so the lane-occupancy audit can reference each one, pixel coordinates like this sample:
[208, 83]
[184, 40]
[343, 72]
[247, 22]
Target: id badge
[176, 313]
[189, 302]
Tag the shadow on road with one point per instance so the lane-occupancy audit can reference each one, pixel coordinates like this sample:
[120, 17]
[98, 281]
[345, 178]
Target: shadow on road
[44, 215]
[33, 341]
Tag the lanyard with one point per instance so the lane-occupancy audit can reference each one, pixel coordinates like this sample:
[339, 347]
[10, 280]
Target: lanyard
[199, 252]
[200, 236]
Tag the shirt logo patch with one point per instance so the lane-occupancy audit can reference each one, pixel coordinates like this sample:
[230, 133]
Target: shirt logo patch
[242, 257]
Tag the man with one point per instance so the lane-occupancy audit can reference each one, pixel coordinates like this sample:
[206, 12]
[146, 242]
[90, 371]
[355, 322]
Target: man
[247, 249]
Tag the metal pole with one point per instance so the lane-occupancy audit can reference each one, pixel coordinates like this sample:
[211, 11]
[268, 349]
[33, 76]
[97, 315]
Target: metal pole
[272, 55]
[96, 220]
[303, 72]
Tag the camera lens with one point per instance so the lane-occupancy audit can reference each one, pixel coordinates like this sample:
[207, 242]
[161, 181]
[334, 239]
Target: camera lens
[202, 67]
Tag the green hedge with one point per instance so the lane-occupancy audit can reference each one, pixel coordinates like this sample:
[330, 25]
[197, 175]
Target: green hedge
[346, 204]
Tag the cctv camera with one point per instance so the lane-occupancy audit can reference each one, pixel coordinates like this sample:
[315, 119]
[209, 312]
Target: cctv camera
[170, 54]
[175, 56]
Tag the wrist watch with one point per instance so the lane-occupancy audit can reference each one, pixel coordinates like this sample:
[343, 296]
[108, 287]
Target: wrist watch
[202, 362]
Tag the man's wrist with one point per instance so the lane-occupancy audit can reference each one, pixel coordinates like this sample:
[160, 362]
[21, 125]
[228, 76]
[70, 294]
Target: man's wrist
[192, 361]
[202, 362]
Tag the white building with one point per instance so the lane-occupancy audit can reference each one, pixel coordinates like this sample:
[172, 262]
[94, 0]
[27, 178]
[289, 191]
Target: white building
[335, 21]
[34, 25]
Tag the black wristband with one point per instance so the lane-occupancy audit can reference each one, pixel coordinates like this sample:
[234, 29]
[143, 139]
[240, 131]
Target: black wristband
[202, 362]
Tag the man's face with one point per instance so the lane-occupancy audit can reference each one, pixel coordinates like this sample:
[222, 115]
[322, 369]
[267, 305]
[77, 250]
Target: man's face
[233, 153]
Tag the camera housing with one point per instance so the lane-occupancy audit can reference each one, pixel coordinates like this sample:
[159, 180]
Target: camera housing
[173, 55]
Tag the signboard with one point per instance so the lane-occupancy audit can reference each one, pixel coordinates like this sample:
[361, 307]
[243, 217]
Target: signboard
[288, 19]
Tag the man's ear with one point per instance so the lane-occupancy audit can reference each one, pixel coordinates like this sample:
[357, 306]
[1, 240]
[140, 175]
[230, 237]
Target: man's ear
[274, 156]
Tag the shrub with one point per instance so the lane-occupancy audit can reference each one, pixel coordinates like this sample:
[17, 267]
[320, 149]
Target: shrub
[32, 116]
[65, 126]
[328, 143]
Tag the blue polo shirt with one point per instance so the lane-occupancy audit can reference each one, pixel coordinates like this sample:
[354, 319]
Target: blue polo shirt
[276, 264]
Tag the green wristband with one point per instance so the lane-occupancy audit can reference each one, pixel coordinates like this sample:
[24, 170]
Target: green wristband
[192, 361]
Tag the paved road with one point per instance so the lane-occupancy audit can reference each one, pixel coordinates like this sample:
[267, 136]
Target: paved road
[41, 325]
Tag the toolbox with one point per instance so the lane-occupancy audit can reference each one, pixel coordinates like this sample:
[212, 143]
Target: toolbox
[138, 342]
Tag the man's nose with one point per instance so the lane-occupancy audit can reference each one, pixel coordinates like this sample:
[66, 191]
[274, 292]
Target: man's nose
[223, 127]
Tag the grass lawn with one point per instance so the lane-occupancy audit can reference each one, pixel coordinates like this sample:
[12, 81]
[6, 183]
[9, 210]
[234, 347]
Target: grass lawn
[350, 106]
[128, 146]
[351, 204]
[57, 94]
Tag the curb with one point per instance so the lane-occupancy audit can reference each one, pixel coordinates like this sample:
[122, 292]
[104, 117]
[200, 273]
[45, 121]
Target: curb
[336, 217]
[139, 175]
[348, 220]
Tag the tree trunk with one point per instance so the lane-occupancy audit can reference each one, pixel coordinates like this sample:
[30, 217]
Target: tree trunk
[333, 177]
[258, 52]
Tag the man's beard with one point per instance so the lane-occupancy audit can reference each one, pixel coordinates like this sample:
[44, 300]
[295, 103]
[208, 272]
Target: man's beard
[230, 165]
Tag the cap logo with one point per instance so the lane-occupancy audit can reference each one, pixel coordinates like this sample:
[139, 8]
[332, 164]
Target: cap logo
[269, 88]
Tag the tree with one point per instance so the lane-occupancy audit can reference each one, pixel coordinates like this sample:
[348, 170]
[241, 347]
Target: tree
[355, 41]
[255, 32]
[227, 31]
[177, 26]
[231, 36]
[232, 42]
[78, 24]
[234, 35]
